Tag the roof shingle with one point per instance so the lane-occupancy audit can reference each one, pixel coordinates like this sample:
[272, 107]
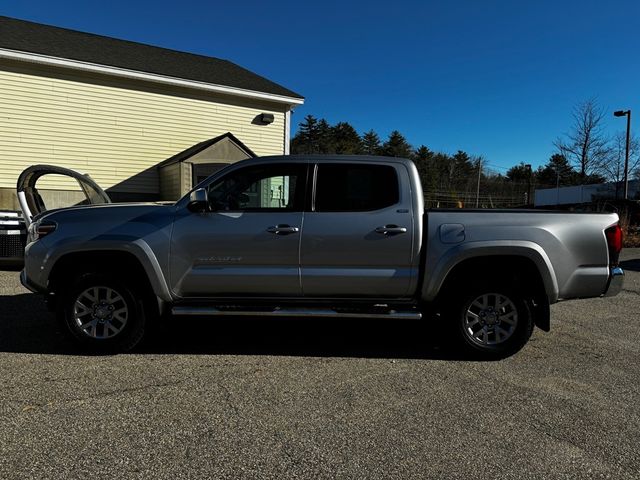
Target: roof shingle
[58, 42]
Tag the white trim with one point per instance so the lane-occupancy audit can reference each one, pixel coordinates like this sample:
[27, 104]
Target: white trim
[150, 77]
[287, 131]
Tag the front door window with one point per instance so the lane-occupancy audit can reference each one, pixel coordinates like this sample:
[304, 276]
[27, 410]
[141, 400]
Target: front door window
[260, 188]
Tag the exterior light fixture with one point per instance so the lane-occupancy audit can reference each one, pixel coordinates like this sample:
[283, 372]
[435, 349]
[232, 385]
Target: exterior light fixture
[266, 118]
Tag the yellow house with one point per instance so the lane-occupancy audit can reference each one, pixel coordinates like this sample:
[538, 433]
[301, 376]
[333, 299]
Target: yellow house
[127, 113]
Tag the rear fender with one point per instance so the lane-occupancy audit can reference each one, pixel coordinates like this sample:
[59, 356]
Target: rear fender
[437, 274]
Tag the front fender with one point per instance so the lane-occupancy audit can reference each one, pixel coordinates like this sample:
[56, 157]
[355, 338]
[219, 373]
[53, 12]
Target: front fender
[112, 243]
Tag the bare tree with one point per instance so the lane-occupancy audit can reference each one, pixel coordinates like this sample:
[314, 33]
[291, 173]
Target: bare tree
[613, 168]
[586, 145]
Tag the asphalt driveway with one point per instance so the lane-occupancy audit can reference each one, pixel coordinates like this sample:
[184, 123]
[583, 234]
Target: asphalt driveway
[265, 398]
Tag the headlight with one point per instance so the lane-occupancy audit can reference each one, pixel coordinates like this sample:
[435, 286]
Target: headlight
[38, 230]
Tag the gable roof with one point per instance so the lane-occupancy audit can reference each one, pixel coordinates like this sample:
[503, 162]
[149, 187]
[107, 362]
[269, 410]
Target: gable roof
[24, 36]
[199, 147]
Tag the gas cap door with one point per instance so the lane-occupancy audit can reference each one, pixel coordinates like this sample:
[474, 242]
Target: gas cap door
[452, 233]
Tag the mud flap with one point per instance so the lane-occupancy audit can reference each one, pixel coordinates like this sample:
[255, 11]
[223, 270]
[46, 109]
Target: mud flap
[541, 314]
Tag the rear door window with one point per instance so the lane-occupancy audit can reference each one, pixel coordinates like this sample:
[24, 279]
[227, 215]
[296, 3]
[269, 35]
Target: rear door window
[354, 187]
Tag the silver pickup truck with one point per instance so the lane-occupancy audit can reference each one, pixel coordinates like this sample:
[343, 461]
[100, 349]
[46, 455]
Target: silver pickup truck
[320, 236]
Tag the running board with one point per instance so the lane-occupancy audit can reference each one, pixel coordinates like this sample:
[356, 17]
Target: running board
[295, 312]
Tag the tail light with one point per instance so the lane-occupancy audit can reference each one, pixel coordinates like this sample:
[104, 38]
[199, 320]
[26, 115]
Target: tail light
[614, 241]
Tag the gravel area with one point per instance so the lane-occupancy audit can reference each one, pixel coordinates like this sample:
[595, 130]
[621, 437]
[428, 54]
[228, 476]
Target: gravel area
[265, 398]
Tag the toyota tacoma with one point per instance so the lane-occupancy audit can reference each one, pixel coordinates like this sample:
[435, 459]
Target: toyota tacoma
[310, 236]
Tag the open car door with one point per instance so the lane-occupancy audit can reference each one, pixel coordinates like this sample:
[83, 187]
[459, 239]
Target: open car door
[34, 202]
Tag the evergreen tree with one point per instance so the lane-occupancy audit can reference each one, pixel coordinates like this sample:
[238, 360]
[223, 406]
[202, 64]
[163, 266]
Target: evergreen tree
[371, 143]
[307, 137]
[462, 171]
[557, 171]
[326, 142]
[397, 146]
[464, 165]
[424, 160]
[441, 163]
[519, 173]
[345, 139]
[422, 155]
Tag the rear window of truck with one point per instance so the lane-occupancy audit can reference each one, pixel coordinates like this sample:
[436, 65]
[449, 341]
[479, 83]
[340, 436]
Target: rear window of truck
[345, 187]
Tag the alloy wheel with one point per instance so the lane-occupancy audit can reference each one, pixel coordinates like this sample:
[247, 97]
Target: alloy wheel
[100, 312]
[490, 319]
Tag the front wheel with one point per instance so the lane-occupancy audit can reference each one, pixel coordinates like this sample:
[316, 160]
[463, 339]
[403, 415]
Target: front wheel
[102, 314]
[493, 322]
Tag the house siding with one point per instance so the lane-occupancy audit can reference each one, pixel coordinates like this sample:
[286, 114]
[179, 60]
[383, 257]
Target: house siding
[115, 130]
[186, 172]
[170, 182]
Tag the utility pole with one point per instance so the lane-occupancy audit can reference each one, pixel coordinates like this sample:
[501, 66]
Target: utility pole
[557, 185]
[622, 113]
[528, 166]
[478, 187]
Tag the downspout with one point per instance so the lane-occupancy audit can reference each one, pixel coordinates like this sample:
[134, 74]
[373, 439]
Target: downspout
[287, 131]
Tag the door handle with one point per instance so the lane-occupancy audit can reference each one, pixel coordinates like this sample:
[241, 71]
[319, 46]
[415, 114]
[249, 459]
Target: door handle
[391, 230]
[283, 230]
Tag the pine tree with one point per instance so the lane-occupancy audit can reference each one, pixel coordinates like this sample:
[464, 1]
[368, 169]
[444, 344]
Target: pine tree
[423, 158]
[441, 166]
[518, 173]
[397, 146]
[557, 171]
[346, 140]
[326, 143]
[371, 143]
[306, 140]
[422, 155]
[462, 171]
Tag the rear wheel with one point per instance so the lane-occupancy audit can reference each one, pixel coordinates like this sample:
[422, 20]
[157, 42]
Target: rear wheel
[102, 313]
[493, 321]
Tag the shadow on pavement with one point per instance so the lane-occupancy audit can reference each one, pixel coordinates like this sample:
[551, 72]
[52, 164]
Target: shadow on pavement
[10, 266]
[27, 327]
[632, 265]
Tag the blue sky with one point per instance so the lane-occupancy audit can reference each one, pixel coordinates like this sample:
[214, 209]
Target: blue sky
[497, 78]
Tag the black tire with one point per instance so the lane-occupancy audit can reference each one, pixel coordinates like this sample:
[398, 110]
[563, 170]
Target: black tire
[500, 332]
[123, 325]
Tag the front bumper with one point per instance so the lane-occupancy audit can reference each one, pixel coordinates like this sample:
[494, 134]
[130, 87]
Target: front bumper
[616, 280]
[29, 285]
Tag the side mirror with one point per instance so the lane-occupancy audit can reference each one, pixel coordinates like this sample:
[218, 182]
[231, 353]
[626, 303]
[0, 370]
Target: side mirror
[198, 201]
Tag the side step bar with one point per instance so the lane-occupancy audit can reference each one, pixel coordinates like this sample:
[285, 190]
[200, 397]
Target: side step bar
[295, 312]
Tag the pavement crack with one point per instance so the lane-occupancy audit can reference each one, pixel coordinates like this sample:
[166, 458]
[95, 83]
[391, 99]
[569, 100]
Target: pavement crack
[22, 407]
[135, 389]
[119, 391]
[229, 400]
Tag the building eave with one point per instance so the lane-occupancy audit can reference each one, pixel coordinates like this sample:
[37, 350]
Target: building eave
[149, 77]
